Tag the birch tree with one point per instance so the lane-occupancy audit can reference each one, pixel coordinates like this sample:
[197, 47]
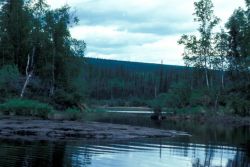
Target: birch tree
[198, 49]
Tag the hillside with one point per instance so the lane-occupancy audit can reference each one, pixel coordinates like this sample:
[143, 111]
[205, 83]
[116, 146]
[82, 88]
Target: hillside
[112, 79]
[134, 66]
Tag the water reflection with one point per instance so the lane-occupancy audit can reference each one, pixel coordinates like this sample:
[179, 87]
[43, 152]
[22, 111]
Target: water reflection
[209, 146]
[140, 153]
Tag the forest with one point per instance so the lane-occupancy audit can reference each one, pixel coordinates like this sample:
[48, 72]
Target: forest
[216, 77]
[39, 58]
[39, 65]
[60, 106]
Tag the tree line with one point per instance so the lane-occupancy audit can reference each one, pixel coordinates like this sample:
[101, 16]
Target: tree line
[38, 57]
[109, 79]
[216, 77]
[40, 60]
[227, 51]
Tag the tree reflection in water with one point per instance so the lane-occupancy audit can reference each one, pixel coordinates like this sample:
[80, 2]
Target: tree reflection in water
[210, 146]
[154, 152]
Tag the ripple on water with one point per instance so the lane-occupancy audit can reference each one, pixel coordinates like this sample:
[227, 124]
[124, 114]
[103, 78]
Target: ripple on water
[147, 153]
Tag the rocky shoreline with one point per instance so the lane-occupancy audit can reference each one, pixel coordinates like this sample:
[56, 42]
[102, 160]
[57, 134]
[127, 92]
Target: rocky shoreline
[25, 128]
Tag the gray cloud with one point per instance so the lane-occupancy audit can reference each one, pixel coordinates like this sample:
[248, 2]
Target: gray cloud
[91, 17]
[159, 23]
[106, 51]
[167, 28]
[138, 30]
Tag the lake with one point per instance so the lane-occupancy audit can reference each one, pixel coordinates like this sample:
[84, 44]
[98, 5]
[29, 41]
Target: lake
[209, 146]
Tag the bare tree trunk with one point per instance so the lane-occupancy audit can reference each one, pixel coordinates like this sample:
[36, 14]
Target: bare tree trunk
[52, 88]
[212, 80]
[216, 102]
[206, 73]
[155, 91]
[207, 79]
[29, 71]
[222, 73]
[3, 57]
[222, 79]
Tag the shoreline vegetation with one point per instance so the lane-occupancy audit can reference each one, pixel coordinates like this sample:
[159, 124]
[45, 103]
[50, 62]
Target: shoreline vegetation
[60, 125]
[43, 71]
[201, 117]
[31, 108]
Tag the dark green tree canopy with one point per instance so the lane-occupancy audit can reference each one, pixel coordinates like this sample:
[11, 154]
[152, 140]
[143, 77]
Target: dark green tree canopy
[36, 39]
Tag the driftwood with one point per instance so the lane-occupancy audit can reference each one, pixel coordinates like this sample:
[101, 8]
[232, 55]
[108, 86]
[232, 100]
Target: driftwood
[82, 107]
[29, 71]
[52, 87]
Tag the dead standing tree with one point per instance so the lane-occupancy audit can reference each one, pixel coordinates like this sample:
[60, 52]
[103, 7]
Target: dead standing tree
[29, 71]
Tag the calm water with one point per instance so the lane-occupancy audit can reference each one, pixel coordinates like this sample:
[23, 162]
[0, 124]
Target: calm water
[209, 146]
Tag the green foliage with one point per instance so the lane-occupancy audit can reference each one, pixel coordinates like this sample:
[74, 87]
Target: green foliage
[179, 95]
[72, 89]
[16, 25]
[226, 51]
[78, 47]
[198, 49]
[137, 102]
[239, 51]
[130, 81]
[73, 114]
[64, 98]
[239, 105]
[116, 102]
[159, 102]
[25, 108]
[9, 77]
[27, 26]
[62, 77]
[188, 110]
[200, 97]
[112, 102]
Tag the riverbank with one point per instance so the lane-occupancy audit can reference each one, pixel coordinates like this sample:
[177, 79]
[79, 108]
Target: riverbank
[119, 108]
[28, 128]
[208, 117]
[227, 120]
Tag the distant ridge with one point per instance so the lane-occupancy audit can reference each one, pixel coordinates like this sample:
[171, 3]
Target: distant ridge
[128, 65]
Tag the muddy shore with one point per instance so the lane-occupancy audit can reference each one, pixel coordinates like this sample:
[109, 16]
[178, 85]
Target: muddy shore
[31, 129]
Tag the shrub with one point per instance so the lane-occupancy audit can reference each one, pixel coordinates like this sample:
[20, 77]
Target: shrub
[9, 77]
[113, 103]
[118, 102]
[73, 114]
[25, 108]
[137, 102]
[179, 95]
[159, 102]
[63, 98]
[239, 105]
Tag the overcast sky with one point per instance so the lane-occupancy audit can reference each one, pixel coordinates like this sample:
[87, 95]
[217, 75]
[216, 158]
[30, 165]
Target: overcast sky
[138, 30]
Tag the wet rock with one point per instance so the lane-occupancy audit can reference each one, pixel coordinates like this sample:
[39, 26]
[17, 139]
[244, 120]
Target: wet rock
[35, 129]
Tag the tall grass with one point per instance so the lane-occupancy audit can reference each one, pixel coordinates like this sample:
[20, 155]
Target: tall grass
[24, 107]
